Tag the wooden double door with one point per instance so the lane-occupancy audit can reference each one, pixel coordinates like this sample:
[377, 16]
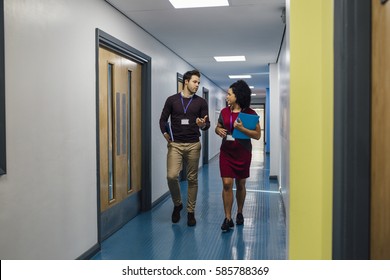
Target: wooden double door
[119, 151]
[380, 131]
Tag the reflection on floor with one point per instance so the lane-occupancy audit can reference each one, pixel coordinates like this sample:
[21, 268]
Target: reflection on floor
[152, 236]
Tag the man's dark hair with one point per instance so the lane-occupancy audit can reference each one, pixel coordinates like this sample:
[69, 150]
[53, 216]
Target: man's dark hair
[242, 92]
[187, 75]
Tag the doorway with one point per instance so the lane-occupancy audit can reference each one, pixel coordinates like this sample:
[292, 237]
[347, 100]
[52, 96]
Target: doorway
[179, 88]
[123, 137]
[351, 147]
[205, 133]
[259, 108]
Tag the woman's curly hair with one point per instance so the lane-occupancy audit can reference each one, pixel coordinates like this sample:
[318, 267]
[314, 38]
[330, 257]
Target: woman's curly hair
[242, 92]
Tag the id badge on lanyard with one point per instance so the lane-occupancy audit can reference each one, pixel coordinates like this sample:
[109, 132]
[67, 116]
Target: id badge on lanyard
[229, 137]
[185, 121]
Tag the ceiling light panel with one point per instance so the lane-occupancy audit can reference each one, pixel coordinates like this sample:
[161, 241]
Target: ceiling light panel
[240, 76]
[182, 4]
[230, 58]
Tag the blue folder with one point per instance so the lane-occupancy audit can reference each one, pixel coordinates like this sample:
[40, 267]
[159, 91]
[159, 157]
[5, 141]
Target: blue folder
[168, 128]
[249, 121]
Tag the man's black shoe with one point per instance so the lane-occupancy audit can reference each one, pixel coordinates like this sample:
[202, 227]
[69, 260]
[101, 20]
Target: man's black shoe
[176, 213]
[191, 219]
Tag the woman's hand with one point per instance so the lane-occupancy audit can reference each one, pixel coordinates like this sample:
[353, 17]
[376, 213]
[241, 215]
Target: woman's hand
[238, 124]
[221, 131]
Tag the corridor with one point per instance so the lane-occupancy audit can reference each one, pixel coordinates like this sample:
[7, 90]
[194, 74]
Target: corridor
[152, 236]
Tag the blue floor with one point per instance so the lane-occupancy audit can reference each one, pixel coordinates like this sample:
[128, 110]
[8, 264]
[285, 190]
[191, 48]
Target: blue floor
[152, 236]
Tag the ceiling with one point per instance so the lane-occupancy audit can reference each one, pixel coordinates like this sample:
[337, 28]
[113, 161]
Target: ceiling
[253, 28]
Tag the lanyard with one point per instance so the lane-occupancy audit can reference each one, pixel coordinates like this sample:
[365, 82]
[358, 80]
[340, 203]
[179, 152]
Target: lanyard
[182, 103]
[231, 122]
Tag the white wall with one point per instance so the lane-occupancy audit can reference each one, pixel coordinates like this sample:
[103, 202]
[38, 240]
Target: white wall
[274, 121]
[284, 90]
[48, 204]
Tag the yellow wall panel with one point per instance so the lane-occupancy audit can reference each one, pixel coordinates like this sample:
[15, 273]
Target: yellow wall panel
[311, 126]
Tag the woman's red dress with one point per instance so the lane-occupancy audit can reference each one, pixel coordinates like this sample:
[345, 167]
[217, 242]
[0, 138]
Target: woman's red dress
[235, 156]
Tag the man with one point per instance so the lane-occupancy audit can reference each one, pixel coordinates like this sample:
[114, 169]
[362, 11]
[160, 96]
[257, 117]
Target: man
[188, 113]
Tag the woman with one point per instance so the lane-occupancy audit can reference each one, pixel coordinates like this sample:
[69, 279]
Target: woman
[235, 154]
